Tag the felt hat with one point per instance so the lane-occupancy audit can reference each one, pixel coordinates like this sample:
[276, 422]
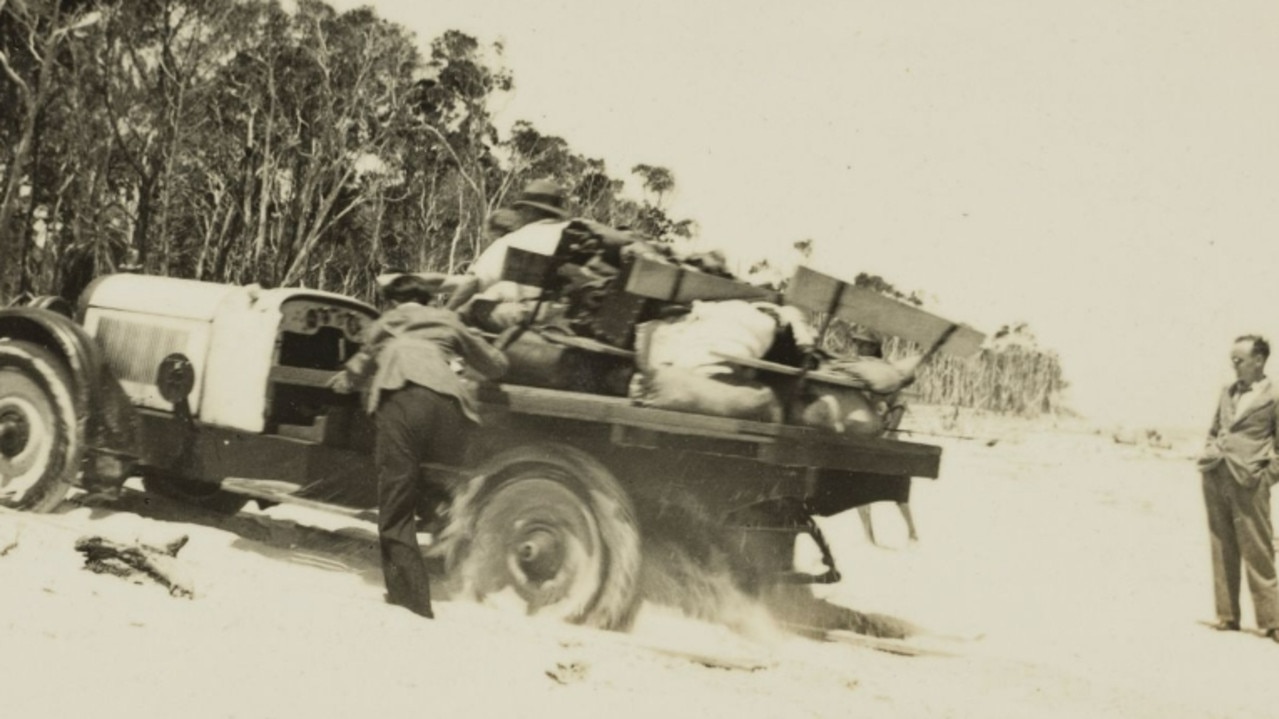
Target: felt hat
[544, 195]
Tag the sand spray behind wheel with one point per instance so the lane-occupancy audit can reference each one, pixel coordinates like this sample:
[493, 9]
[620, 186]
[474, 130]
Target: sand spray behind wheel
[694, 566]
[690, 567]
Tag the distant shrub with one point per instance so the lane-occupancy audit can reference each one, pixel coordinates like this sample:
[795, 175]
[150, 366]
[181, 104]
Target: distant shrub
[1011, 375]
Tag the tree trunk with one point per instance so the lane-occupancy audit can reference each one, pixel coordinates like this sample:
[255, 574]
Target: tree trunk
[14, 179]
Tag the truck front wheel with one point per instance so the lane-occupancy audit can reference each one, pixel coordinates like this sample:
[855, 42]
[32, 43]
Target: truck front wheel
[41, 441]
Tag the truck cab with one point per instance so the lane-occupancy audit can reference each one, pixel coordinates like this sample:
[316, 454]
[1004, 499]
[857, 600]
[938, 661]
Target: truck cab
[251, 351]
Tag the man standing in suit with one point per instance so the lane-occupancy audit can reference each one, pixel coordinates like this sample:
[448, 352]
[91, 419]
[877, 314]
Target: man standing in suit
[1239, 465]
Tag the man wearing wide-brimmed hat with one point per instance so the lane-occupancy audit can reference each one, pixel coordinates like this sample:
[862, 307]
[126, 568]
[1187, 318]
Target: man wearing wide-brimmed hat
[541, 215]
[423, 411]
[541, 200]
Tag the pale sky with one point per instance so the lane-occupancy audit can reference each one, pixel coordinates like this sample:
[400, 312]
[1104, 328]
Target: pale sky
[1107, 170]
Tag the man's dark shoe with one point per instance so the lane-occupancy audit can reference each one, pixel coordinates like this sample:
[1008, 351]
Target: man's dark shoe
[1226, 626]
[422, 611]
[1273, 634]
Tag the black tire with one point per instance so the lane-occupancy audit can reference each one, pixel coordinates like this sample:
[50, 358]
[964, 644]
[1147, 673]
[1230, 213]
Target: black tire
[205, 495]
[41, 438]
[547, 530]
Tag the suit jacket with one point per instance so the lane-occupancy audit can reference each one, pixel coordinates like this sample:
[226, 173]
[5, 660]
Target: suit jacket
[414, 343]
[1246, 445]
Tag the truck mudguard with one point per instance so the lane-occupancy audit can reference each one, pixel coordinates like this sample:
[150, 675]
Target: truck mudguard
[110, 423]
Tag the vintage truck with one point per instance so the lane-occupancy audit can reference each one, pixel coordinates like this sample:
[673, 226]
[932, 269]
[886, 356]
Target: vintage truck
[216, 394]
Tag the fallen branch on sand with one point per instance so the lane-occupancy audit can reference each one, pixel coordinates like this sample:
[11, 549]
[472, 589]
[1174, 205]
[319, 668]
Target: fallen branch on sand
[104, 556]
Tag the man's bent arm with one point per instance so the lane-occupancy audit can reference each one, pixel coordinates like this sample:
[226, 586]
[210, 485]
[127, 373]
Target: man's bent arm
[480, 355]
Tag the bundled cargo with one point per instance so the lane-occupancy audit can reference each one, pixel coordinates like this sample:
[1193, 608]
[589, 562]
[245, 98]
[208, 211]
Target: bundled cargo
[710, 331]
[616, 314]
[869, 409]
[724, 395]
[537, 359]
[682, 365]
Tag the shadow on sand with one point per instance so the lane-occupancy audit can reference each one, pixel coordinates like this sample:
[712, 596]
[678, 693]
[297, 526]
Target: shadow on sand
[352, 550]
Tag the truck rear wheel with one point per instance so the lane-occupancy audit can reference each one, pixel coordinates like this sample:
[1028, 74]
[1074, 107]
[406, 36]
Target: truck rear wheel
[547, 531]
[206, 495]
[41, 441]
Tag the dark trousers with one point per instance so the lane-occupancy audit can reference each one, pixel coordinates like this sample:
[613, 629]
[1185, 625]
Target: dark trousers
[1240, 529]
[414, 425]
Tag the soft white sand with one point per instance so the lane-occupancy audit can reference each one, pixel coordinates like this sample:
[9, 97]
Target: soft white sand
[1081, 563]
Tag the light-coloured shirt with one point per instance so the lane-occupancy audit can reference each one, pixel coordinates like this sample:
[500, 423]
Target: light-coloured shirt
[1245, 398]
[420, 344]
[542, 237]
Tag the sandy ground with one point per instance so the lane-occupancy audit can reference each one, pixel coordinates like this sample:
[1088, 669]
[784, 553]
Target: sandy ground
[1068, 574]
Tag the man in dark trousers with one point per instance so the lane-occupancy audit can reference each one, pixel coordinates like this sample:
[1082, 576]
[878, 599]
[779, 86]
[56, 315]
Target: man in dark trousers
[423, 410]
[1239, 466]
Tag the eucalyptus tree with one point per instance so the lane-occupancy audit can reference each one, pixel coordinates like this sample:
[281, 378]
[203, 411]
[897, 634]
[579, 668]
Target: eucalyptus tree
[457, 180]
[33, 36]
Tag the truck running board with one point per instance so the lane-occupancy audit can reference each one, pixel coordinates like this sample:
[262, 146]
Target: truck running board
[286, 493]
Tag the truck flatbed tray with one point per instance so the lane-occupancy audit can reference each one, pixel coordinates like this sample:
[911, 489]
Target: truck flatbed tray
[775, 443]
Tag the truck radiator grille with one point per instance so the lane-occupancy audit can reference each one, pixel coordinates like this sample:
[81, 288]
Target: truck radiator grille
[134, 349]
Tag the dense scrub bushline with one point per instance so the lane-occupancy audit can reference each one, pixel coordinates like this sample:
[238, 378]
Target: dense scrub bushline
[1011, 375]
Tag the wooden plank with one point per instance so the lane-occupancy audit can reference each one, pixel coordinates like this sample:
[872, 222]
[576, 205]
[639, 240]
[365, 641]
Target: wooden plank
[849, 442]
[614, 410]
[300, 376]
[816, 292]
[805, 446]
[670, 283]
[599, 408]
[729, 444]
[888, 457]
[585, 343]
[284, 493]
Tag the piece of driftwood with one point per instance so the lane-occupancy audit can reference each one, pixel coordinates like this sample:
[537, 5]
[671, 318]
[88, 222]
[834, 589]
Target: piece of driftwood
[104, 556]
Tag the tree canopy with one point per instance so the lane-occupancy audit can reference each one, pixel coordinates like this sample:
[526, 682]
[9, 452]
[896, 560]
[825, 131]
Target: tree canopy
[232, 140]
